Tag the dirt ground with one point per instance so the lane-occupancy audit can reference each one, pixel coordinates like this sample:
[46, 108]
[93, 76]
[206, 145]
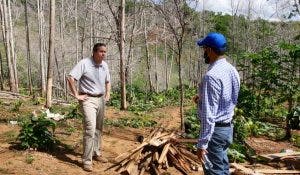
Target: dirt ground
[68, 161]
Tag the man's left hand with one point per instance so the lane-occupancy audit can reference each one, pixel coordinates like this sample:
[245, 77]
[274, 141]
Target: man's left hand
[201, 153]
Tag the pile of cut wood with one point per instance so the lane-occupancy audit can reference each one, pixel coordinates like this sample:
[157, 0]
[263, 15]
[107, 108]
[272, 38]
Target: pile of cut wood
[155, 154]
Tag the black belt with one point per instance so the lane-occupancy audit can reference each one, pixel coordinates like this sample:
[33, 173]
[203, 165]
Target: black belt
[219, 124]
[91, 95]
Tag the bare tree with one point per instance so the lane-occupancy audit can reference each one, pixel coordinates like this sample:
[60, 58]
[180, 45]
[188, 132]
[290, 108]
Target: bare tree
[29, 78]
[61, 34]
[8, 49]
[40, 7]
[12, 46]
[177, 18]
[148, 60]
[51, 54]
[119, 18]
[76, 30]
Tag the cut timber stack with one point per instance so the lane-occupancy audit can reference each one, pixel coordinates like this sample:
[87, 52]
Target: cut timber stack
[155, 154]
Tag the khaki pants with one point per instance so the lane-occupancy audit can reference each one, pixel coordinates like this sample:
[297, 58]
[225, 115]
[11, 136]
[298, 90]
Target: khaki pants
[93, 112]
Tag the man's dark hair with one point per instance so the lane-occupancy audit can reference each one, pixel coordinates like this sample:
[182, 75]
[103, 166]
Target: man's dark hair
[217, 51]
[97, 45]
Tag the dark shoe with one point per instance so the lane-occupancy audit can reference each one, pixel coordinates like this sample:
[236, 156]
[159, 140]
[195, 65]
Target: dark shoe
[88, 168]
[100, 159]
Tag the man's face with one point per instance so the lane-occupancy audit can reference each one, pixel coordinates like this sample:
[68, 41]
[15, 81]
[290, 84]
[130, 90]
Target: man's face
[100, 54]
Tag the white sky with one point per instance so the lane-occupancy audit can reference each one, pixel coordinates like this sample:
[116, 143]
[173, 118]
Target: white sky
[270, 10]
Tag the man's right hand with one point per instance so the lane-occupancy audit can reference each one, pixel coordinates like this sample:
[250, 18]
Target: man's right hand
[81, 97]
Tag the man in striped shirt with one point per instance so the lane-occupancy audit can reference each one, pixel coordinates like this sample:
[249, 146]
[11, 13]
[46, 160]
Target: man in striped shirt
[218, 94]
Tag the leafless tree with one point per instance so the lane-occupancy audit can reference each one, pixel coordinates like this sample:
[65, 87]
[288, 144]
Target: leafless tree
[119, 18]
[29, 77]
[51, 54]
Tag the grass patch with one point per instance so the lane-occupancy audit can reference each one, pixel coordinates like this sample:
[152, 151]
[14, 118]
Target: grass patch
[133, 122]
[29, 159]
[10, 136]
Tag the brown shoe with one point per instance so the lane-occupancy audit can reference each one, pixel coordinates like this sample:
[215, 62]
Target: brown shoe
[88, 168]
[100, 159]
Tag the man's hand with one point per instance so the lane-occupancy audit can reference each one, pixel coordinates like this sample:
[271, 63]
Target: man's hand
[81, 97]
[201, 153]
[107, 98]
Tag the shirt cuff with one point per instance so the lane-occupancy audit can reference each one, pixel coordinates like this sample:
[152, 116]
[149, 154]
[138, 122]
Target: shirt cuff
[202, 145]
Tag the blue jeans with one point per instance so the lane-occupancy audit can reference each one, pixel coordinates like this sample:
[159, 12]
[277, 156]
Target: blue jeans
[217, 151]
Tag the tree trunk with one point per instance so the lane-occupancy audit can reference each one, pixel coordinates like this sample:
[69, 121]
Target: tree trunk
[1, 73]
[7, 45]
[12, 45]
[148, 61]
[29, 78]
[40, 4]
[51, 54]
[155, 66]
[171, 64]
[122, 54]
[92, 26]
[61, 34]
[128, 69]
[76, 30]
[3, 38]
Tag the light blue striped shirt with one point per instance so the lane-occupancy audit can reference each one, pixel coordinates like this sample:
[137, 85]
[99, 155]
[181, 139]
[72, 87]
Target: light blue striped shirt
[218, 94]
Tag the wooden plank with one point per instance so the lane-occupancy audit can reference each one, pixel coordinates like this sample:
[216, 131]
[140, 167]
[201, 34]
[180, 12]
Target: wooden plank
[241, 169]
[175, 162]
[129, 153]
[155, 157]
[156, 171]
[142, 171]
[270, 157]
[164, 153]
[181, 140]
[271, 171]
[131, 168]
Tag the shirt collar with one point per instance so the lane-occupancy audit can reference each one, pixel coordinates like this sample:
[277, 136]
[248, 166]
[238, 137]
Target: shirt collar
[221, 60]
[95, 64]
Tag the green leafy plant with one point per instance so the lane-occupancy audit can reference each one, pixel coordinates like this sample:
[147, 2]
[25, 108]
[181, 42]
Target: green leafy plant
[16, 106]
[38, 100]
[74, 111]
[29, 159]
[141, 100]
[237, 152]
[35, 133]
[134, 122]
[191, 122]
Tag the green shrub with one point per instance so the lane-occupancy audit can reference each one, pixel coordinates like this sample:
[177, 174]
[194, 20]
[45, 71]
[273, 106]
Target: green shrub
[74, 111]
[29, 159]
[237, 152]
[133, 122]
[16, 106]
[142, 100]
[38, 100]
[191, 122]
[35, 133]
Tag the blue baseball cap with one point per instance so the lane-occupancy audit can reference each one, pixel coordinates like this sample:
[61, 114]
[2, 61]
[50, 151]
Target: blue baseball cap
[214, 40]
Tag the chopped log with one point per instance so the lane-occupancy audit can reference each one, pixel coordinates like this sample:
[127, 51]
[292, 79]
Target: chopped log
[155, 157]
[241, 170]
[155, 170]
[164, 153]
[271, 157]
[272, 171]
[131, 168]
[180, 140]
[176, 164]
[156, 152]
